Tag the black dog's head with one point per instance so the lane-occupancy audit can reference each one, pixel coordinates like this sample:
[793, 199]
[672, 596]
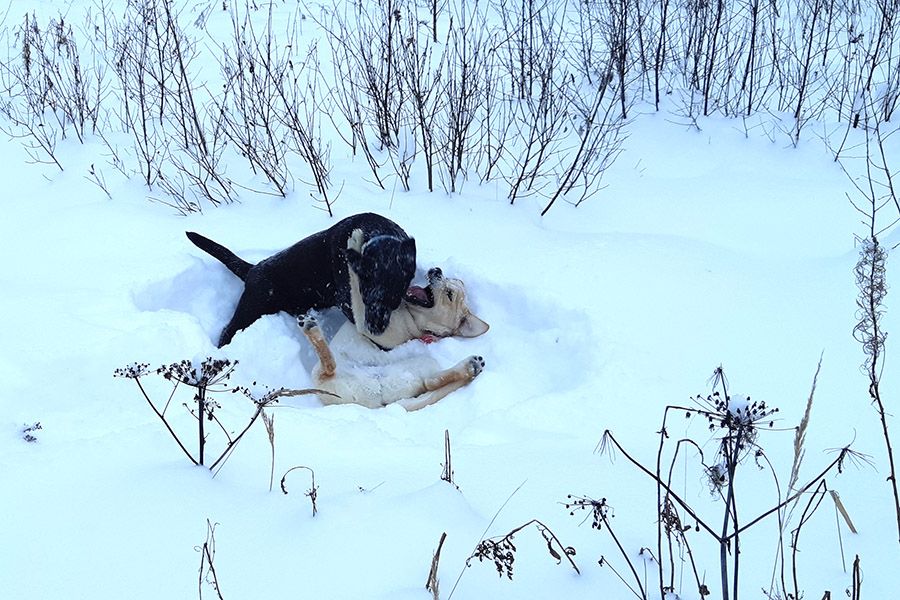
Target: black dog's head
[385, 268]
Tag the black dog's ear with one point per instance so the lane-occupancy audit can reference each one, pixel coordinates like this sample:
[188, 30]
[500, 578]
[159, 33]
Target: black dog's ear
[377, 318]
[359, 263]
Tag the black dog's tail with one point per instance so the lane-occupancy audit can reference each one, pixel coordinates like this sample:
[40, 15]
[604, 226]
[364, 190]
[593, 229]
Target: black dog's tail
[236, 265]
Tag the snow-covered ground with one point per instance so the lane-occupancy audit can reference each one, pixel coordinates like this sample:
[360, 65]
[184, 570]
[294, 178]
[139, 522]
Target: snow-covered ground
[707, 247]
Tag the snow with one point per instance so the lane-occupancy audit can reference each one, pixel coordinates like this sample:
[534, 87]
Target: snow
[707, 247]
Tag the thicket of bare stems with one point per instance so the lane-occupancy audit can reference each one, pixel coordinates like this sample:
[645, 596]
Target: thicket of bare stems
[49, 91]
[177, 143]
[533, 95]
[271, 103]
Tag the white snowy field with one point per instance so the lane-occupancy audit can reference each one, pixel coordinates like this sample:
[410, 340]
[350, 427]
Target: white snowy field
[707, 247]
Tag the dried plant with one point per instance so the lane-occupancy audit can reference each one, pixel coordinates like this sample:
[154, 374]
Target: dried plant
[800, 432]
[854, 591]
[270, 106]
[875, 193]
[601, 512]
[737, 422]
[531, 93]
[269, 422]
[502, 551]
[207, 378]
[51, 92]
[178, 142]
[786, 513]
[310, 493]
[870, 278]
[28, 432]
[207, 567]
[447, 472]
[432, 584]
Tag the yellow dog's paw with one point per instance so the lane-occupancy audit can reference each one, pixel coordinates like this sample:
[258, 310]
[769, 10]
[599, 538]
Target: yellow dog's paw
[474, 366]
[307, 321]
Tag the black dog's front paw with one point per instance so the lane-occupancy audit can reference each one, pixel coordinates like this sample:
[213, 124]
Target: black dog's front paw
[307, 321]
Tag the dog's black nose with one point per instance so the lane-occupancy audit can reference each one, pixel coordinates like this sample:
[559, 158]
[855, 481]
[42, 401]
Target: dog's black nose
[435, 273]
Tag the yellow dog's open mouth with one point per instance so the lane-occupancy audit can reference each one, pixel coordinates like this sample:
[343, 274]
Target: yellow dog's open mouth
[420, 296]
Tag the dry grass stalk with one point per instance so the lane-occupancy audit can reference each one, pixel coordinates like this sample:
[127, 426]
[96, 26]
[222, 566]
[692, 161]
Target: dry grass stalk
[432, 585]
[269, 422]
[447, 473]
[840, 507]
[304, 392]
[839, 511]
[800, 434]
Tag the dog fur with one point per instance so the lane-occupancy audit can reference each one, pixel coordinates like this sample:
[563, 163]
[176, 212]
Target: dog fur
[313, 274]
[355, 369]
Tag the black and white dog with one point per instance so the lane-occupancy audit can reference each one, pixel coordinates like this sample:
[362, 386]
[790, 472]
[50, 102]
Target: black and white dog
[312, 274]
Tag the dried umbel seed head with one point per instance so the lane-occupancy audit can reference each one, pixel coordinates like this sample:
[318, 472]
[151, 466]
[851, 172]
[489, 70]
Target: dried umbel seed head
[600, 510]
[209, 372]
[132, 371]
[736, 414]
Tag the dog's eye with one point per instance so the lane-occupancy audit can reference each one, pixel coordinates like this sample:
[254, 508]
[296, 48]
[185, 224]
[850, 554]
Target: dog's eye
[449, 294]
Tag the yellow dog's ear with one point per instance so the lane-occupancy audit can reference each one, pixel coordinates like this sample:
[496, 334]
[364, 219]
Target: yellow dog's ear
[471, 327]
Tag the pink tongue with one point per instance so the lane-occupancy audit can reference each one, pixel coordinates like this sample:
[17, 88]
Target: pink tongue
[417, 292]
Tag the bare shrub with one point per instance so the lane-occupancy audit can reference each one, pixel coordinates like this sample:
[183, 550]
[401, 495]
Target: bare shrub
[142, 69]
[369, 40]
[178, 140]
[421, 71]
[539, 100]
[49, 91]
[365, 47]
[463, 90]
[349, 99]
[303, 105]
[271, 104]
[519, 92]
[599, 134]
[253, 67]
